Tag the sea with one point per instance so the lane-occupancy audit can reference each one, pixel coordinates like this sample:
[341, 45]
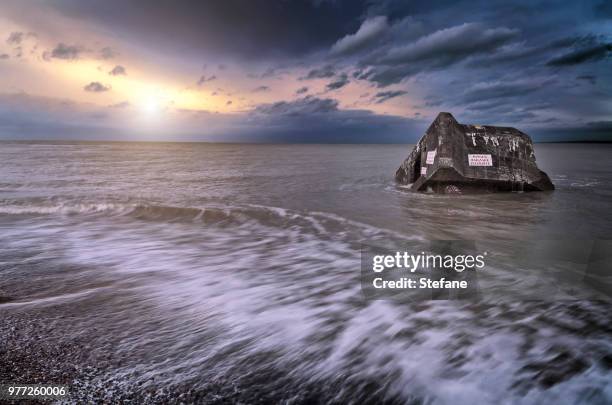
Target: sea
[220, 273]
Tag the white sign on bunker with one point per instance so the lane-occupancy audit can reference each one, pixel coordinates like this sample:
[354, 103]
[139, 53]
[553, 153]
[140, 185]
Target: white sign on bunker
[480, 160]
[430, 157]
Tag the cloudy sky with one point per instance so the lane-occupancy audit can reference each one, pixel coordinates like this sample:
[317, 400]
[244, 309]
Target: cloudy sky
[302, 71]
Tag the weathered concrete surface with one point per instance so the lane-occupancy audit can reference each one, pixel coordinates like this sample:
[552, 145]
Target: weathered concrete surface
[472, 158]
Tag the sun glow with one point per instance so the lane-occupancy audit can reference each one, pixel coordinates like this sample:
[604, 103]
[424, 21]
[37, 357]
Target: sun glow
[151, 101]
[151, 106]
[150, 96]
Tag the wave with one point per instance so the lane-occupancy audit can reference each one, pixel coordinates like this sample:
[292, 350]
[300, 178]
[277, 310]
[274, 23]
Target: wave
[315, 222]
[64, 208]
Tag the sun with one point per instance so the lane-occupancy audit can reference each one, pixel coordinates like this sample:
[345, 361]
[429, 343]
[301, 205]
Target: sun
[151, 105]
[152, 100]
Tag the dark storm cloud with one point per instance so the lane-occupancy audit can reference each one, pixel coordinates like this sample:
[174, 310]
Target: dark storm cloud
[17, 41]
[371, 29]
[500, 111]
[261, 89]
[450, 45]
[383, 96]
[63, 51]
[269, 72]
[604, 9]
[107, 53]
[254, 29]
[312, 119]
[15, 38]
[324, 72]
[388, 75]
[433, 103]
[484, 92]
[341, 81]
[118, 71]
[592, 131]
[587, 78]
[301, 90]
[358, 74]
[588, 54]
[500, 114]
[75, 51]
[203, 79]
[437, 50]
[304, 106]
[23, 116]
[96, 87]
[601, 125]
[521, 52]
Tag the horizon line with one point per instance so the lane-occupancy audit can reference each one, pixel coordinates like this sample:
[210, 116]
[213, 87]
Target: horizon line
[260, 142]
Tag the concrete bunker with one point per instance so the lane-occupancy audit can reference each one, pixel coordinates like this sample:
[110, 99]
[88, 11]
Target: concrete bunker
[456, 158]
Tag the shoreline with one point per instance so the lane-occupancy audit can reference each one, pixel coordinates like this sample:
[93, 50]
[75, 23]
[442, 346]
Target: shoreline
[92, 373]
[72, 361]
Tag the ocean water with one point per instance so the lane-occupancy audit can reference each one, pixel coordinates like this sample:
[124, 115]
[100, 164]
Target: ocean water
[234, 270]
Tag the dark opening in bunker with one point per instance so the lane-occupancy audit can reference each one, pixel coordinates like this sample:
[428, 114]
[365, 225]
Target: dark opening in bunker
[417, 167]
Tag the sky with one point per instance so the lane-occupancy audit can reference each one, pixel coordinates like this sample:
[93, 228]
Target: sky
[302, 71]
